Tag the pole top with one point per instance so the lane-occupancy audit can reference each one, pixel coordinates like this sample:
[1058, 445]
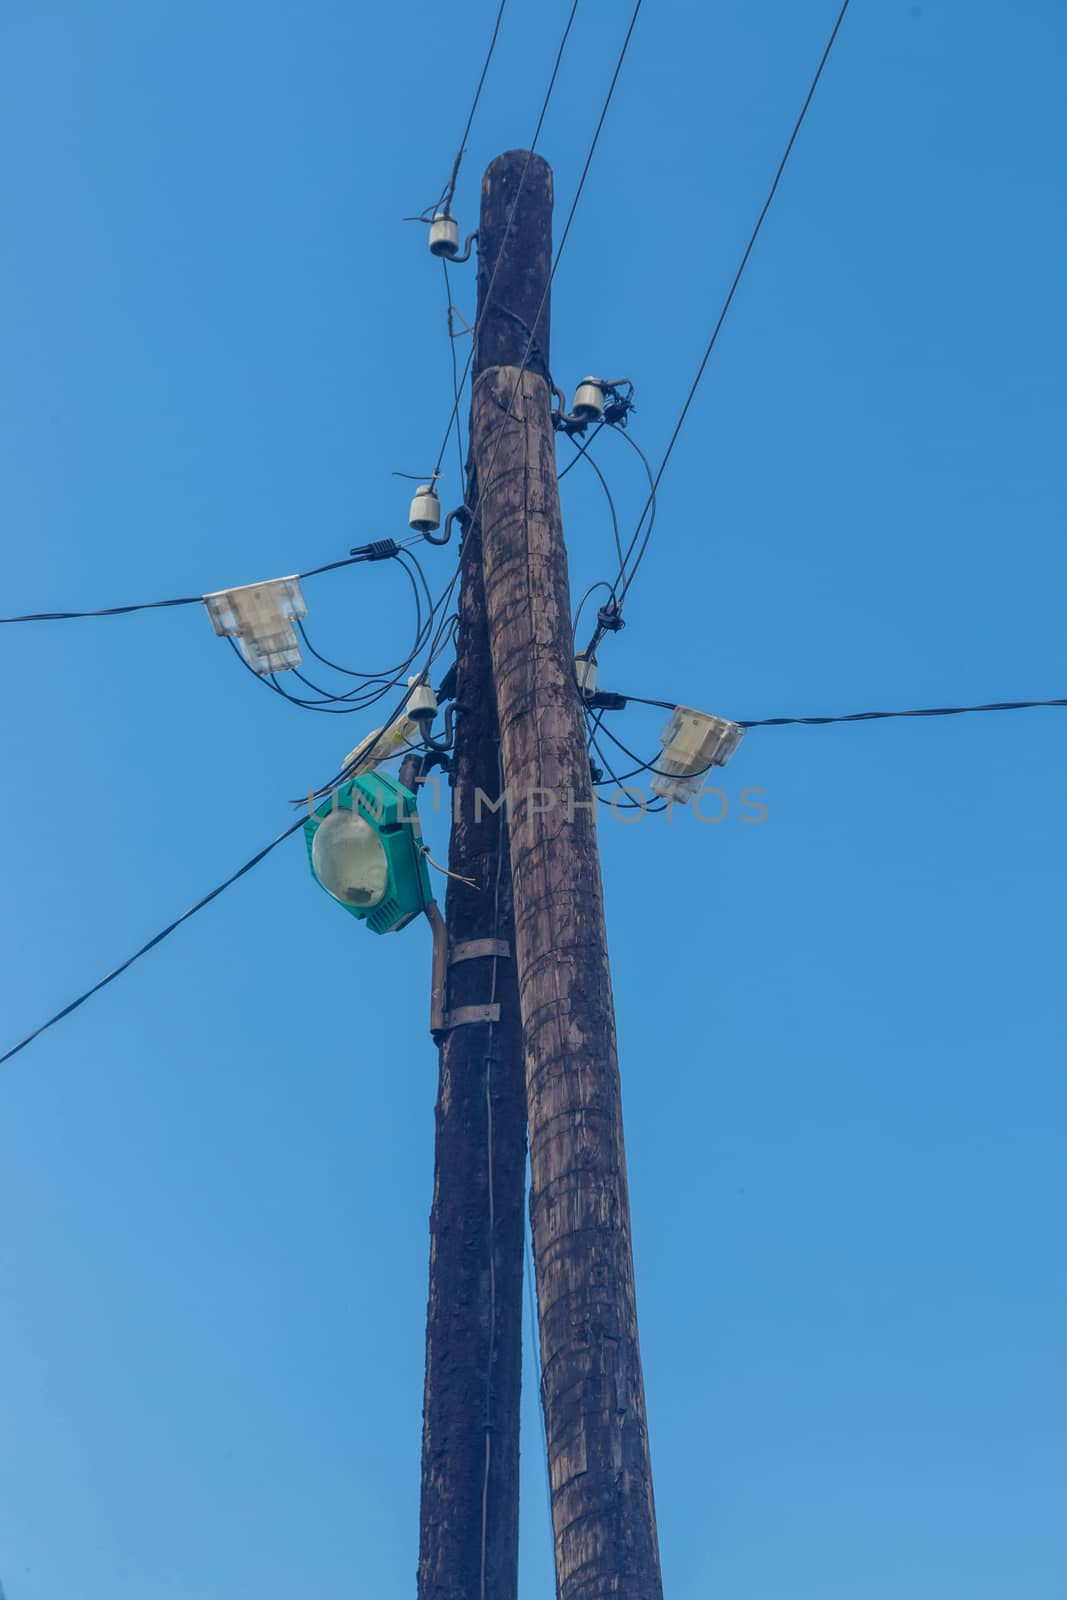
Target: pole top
[513, 163]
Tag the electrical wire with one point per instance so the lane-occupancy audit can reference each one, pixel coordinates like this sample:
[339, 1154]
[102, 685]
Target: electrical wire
[456, 389]
[592, 589]
[373, 687]
[611, 502]
[507, 231]
[448, 193]
[582, 447]
[624, 560]
[157, 605]
[234, 877]
[881, 716]
[403, 558]
[596, 728]
[867, 716]
[641, 805]
[158, 938]
[628, 580]
[492, 1201]
[562, 243]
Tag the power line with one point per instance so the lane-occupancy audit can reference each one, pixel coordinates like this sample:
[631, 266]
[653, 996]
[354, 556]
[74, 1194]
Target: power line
[881, 716]
[376, 552]
[447, 194]
[453, 418]
[849, 716]
[158, 938]
[628, 580]
[436, 649]
[584, 455]
[563, 240]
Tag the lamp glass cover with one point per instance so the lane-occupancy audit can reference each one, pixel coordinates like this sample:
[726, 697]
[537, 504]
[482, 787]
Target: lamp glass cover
[349, 860]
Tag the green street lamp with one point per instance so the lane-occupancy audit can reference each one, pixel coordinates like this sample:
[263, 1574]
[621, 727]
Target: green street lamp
[365, 849]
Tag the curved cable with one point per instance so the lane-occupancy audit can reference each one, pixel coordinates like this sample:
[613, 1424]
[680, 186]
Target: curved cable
[611, 503]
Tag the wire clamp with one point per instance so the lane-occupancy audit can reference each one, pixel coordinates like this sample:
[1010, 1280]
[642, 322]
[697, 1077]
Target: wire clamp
[610, 618]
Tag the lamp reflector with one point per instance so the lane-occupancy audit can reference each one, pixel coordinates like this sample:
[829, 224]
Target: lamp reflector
[260, 616]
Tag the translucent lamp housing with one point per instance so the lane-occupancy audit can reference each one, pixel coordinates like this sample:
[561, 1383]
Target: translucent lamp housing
[350, 860]
[260, 616]
[693, 742]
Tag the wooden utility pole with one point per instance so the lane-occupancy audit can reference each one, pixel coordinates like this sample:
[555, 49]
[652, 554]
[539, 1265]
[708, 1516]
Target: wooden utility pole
[469, 1522]
[592, 1387]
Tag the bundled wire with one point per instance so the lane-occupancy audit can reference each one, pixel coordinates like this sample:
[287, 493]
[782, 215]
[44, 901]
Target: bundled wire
[371, 687]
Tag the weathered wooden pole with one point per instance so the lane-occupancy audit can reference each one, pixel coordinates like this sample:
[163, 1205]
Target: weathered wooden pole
[593, 1392]
[469, 1519]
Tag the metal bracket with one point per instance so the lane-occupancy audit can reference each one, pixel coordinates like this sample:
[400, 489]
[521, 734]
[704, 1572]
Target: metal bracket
[472, 949]
[463, 1015]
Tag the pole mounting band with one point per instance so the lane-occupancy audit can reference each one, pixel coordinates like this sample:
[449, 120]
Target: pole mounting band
[462, 1015]
[471, 949]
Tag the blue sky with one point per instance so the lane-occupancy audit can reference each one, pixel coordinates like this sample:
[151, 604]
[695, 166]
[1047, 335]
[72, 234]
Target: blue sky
[840, 1031]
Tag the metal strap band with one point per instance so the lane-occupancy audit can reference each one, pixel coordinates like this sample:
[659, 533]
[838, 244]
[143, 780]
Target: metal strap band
[466, 1014]
[471, 949]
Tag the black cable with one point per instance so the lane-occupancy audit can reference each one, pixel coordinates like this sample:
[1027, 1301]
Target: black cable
[107, 611]
[583, 447]
[868, 716]
[374, 687]
[737, 279]
[641, 805]
[611, 503]
[650, 766]
[220, 888]
[507, 230]
[622, 434]
[592, 589]
[448, 193]
[156, 605]
[563, 240]
[270, 681]
[157, 939]
[401, 666]
[880, 716]
[456, 390]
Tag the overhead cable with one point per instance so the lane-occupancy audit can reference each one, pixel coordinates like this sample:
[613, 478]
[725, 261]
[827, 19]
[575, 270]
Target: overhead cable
[627, 580]
[380, 550]
[447, 194]
[453, 420]
[199, 905]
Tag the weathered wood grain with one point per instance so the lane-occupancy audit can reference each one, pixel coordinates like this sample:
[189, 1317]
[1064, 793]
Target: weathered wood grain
[593, 1393]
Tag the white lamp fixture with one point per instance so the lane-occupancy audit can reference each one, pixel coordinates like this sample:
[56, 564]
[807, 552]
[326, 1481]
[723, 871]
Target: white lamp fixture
[260, 617]
[693, 742]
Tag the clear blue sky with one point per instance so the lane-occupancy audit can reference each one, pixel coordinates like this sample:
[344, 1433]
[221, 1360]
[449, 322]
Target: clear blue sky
[841, 1031]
